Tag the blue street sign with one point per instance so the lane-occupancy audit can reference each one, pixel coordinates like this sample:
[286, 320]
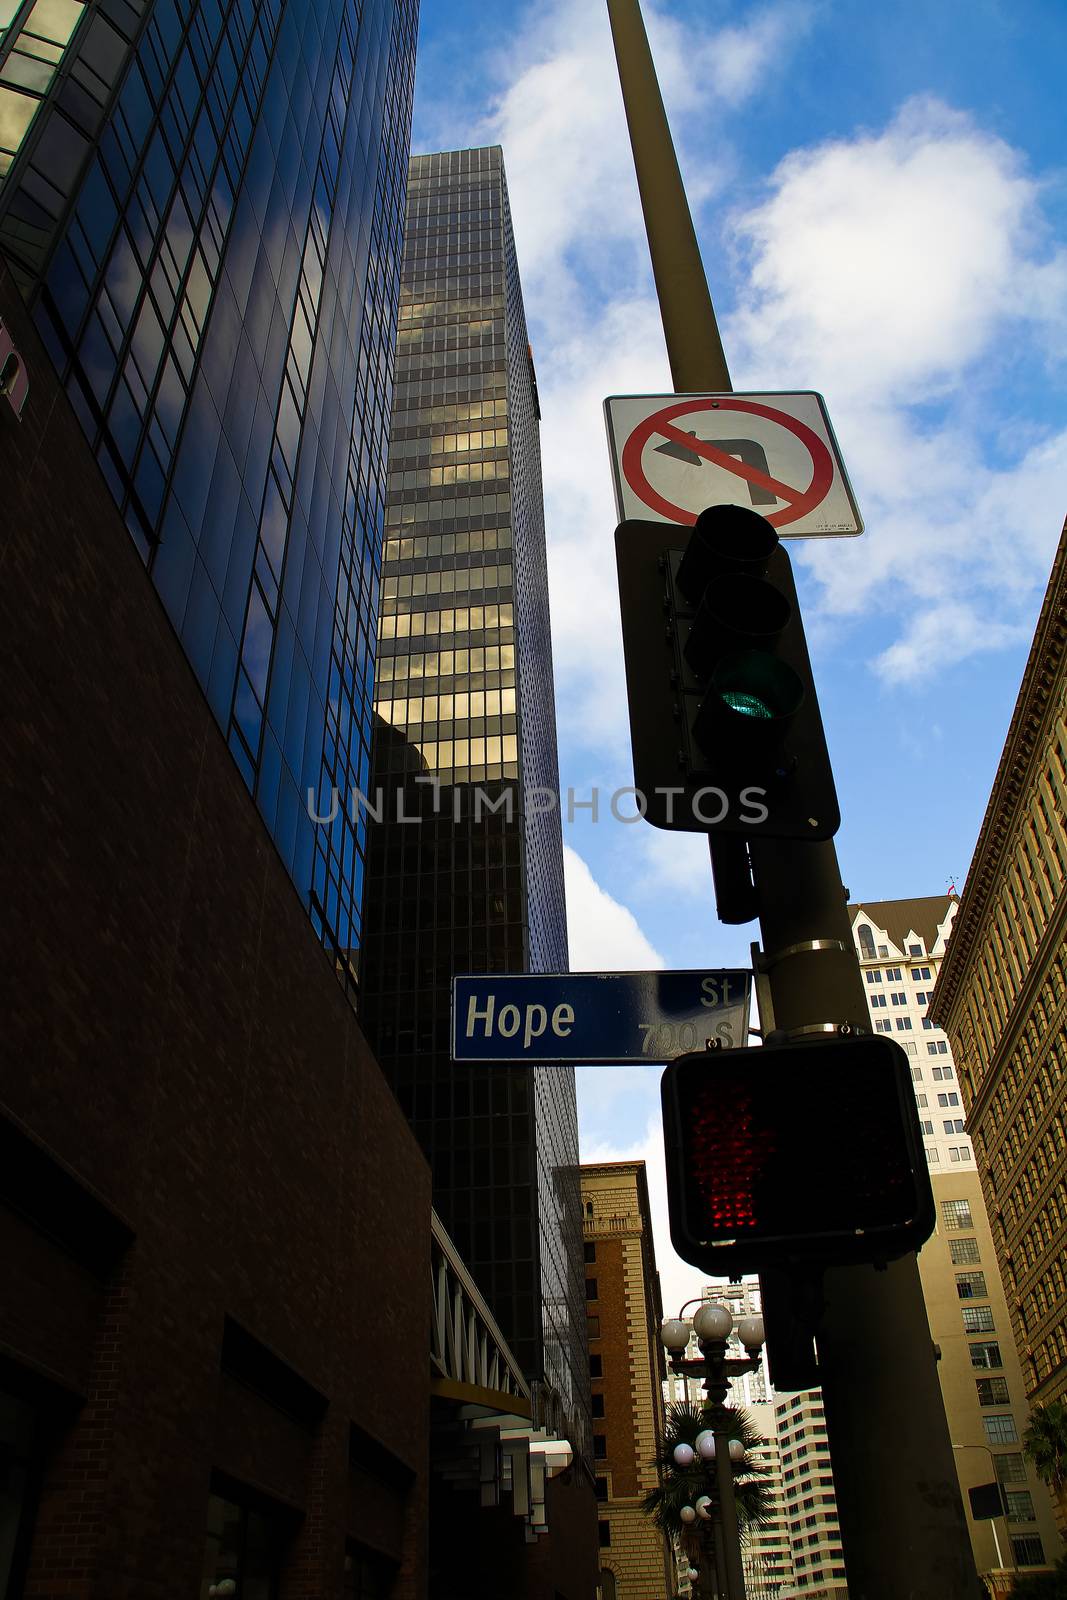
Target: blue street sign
[605, 1017]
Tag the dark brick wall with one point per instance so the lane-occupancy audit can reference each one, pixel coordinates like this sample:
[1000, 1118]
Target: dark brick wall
[174, 1037]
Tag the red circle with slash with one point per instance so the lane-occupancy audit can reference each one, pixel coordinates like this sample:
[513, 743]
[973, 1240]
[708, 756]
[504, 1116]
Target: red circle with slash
[799, 501]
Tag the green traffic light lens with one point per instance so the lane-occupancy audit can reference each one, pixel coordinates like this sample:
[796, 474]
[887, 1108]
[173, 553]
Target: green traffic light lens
[757, 687]
[747, 705]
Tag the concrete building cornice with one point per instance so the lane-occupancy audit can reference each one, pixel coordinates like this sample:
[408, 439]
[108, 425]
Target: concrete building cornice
[1034, 706]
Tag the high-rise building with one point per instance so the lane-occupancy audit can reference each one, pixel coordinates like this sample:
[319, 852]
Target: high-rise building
[465, 734]
[627, 1367]
[214, 1219]
[203, 204]
[809, 1498]
[1002, 997]
[901, 945]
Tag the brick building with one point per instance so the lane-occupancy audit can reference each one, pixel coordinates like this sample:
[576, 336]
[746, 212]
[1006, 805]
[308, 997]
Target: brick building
[215, 1221]
[627, 1367]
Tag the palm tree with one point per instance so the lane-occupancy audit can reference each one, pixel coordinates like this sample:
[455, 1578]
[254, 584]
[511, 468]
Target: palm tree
[681, 1486]
[1045, 1442]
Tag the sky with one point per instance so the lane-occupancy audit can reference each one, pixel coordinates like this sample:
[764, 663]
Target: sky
[881, 203]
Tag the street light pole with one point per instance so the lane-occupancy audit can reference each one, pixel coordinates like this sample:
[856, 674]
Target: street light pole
[713, 1325]
[903, 1532]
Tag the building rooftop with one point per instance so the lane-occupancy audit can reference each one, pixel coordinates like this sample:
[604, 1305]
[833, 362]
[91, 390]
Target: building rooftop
[923, 916]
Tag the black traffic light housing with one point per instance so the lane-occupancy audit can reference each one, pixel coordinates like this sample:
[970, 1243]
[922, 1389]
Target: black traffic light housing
[792, 1153]
[724, 718]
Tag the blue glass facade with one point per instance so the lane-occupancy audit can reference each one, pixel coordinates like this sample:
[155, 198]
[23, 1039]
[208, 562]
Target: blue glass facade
[204, 202]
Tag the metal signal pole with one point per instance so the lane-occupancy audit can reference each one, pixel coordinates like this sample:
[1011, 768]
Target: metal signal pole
[902, 1521]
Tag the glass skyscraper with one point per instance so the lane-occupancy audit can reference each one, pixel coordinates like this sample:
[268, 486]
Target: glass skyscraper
[203, 202]
[464, 735]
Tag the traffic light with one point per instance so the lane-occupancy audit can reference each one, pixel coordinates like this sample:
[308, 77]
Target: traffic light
[724, 719]
[793, 1152]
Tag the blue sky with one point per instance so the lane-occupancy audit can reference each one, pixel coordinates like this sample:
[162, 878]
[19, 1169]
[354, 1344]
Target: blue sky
[882, 207]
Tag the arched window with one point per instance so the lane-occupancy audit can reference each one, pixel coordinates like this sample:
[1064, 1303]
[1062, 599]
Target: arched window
[866, 942]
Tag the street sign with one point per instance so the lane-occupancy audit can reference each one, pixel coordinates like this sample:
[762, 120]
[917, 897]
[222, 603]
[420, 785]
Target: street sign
[672, 455]
[596, 1017]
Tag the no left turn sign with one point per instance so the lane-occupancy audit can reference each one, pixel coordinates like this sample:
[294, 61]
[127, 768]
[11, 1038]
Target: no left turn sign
[672, 455]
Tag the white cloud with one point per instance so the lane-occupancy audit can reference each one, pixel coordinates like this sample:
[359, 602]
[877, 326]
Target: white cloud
[899, 271]
[881, 266]
[604, 936]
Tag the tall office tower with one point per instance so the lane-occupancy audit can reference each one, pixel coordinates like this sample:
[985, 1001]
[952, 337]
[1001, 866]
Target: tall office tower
[627, 1366]
[901, 946]
[1002, 996]
[465, 732]
[810, 1501]
[203, 204]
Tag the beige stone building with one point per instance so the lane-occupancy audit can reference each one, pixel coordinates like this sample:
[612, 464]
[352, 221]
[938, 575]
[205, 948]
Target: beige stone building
[1002, 997]
[627, 1368]
[901, 945]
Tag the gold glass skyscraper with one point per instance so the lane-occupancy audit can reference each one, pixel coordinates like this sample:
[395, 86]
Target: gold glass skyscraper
[464, 743]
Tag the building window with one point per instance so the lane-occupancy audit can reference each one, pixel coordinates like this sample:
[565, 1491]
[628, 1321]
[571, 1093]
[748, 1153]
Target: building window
[921, 997]
[593, 1327]
[950, 1099]
[1010, 1468]
[601, 1485]
[911, 1047]
[916, 950]
[243, 1544]
[927, 1127]
[368, 1575]
[1020, 1505]
[866, 942]
[978, 1319]
[590, 1251]
[941, 1074]
[921, 974]
[874, 976]
[1029, 1551]
[903, 1024]
[590, 1289]
[598, 1405]
[1001, 1429]
[600, 1446]
[878, 1000]
[883, 1025]
[992, 1391]
[596, 1366]
[971, 1285]
[963, 1251]
[954, 1125]
[958, 1152]
[933, 1156]
[603, 1529]
[986, 1354]
[920, 1099]
[893, 974]
[898, 998]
